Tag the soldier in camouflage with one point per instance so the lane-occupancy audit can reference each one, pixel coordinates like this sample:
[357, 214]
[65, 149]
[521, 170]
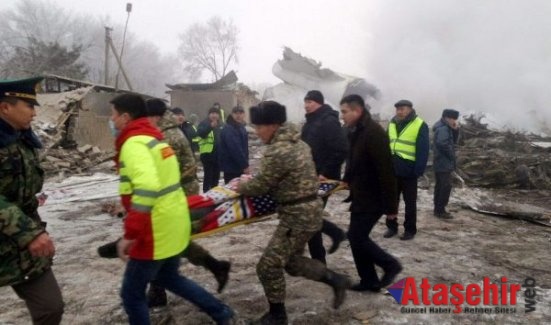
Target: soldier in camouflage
[287, 173]
[178, 141]
[26, 250]
[165, 120]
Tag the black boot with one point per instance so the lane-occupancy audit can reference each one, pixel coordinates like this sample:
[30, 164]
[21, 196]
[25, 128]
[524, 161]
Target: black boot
[220, 270]
[109, 250]
[337, 236]
[276, 316]
[390, 274]
[156, 296]
[340, 284]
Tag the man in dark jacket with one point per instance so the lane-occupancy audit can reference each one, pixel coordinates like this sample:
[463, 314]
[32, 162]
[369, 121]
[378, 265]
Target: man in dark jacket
[233, 146]
[325, 136]
[370, 178]
[190, 131]
[209, 131]
[409, 145]
[446, 132]
[26, 249]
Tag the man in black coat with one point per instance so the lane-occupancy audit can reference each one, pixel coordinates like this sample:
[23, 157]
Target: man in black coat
[325, 136]
[209, 131]
[370, 178]
[190, 130]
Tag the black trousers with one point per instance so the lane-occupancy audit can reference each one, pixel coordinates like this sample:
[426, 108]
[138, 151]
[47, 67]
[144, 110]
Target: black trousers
[366, 252]
[442, 191]
[211, 171]
[229, 176]
[407, 187]
[43, 298]
[315, 244]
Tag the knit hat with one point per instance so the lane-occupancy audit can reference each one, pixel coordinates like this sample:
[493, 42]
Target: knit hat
[178, 111]
[214, 110]
[403, 102]
[315, 96]
[451, 113]
[268, 112]
[237, 109]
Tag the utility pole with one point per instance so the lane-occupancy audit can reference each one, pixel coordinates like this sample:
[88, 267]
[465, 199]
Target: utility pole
[128, 10]
[120, 64]
[106, 60]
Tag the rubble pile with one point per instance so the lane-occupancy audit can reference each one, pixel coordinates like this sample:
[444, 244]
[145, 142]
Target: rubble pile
[73, 161]
[502, 159]
[55, 125]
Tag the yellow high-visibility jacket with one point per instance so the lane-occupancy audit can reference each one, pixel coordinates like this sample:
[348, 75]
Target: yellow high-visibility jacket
[158, 214]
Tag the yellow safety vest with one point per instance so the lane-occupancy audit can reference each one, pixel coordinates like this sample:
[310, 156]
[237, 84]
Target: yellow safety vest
[149, 172]
[197, 138]
[206, 145]
[404, 144]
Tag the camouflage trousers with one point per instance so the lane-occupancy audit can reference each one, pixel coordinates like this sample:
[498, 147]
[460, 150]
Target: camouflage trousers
[284, 252]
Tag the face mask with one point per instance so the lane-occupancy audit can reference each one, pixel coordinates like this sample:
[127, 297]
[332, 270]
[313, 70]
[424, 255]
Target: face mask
[114, 131]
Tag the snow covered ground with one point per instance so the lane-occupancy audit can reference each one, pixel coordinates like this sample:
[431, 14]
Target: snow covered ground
[464, 250]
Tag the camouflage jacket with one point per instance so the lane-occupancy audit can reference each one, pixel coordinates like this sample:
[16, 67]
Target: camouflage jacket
[178, 141]
[288, 174]
[21, 179]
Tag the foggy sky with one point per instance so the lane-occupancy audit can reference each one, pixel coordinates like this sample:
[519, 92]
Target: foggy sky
[473, 55]
[490, 56]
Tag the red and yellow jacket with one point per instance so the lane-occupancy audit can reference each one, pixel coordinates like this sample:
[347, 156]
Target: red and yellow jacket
[157, 210]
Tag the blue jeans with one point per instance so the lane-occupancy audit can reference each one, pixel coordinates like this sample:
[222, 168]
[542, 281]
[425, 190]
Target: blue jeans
[139, 273]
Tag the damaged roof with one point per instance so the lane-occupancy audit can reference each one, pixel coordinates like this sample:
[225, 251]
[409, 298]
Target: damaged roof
[229, 81]
[294, 61]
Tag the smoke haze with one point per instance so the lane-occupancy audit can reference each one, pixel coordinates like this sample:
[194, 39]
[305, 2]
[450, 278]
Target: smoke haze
[489, 56]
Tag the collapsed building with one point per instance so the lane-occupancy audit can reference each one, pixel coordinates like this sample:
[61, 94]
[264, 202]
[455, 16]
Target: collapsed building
[300, 74]
[72, 123]
[196, 98]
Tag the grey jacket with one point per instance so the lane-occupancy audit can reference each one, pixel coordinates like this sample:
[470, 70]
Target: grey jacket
[444, 147]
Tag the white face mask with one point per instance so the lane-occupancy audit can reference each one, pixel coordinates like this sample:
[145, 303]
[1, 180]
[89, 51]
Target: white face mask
[114, 131]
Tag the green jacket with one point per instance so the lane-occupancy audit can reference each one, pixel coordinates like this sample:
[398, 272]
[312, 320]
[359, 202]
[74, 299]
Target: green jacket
[21, 179]
[288, 174]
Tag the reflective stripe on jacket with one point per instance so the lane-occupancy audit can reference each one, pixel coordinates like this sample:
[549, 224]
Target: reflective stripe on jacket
[404, 144]
[158, 217]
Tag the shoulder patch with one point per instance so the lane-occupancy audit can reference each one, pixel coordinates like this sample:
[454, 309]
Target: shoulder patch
[167, 152]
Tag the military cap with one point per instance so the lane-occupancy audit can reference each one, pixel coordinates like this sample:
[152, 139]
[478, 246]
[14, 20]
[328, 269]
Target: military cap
[403, 102]
[24, 89]
[268, 112]
[451, 113]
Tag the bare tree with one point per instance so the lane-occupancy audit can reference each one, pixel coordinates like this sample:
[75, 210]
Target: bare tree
[39, 36]
[211, 46]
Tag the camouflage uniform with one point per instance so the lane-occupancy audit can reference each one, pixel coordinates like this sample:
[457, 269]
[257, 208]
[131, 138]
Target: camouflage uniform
[178, 141]
[20, 179]
[288, 173]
